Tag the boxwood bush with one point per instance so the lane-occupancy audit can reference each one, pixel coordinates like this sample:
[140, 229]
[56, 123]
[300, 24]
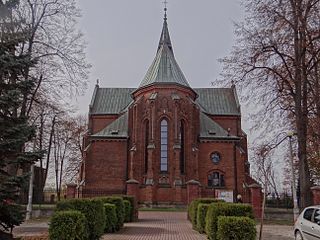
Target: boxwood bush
[111, 218]
[68, 225]
[120, 209]
[236, 228]
[127, 210]
[224, 209]
[201, 217]
[92, 209]
[134, 210]
[193, 208]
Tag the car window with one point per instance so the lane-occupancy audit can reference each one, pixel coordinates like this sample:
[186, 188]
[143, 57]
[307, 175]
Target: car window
[317, 216]
[308, 214]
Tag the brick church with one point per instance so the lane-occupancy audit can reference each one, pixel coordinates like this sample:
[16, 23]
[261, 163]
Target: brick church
[164, 141]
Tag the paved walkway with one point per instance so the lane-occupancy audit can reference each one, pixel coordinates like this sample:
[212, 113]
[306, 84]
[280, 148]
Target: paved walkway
[158, 226]
[153, 226]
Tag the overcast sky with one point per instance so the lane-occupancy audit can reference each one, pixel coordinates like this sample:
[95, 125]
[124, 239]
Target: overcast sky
[123, 35]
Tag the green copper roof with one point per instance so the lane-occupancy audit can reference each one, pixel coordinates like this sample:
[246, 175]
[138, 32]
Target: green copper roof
[218, 101]
[212, 130]
[110, 100]
[164, 68]
[214, 101]
[117, 129]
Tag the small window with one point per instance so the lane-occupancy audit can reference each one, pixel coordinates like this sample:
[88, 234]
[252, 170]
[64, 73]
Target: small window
[317, 216]
[216, 179]
[308, 214]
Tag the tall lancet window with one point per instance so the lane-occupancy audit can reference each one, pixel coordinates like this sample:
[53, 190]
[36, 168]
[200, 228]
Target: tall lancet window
[146, 143]
[164, 145]
[182, 150]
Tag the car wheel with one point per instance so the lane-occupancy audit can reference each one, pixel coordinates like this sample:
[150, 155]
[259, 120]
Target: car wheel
[298, 236]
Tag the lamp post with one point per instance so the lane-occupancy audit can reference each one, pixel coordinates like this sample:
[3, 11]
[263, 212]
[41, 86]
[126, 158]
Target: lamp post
[293, 182]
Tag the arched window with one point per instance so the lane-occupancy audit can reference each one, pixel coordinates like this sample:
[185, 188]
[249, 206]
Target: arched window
[182, 150]
[146, 142]
[164, 146]
[216, 179]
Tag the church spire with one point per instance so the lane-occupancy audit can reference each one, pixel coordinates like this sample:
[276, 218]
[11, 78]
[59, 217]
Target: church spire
[164, 68]
[165, 37]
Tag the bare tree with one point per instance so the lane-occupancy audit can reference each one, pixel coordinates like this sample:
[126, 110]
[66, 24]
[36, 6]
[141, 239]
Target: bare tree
[57, 46]
[75, 155]
[276, 55]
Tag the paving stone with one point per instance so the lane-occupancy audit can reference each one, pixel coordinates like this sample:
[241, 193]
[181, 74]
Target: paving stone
[158, 226]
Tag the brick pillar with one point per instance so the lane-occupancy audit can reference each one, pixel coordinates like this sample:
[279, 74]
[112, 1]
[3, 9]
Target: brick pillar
[256, 199]
[71, 190]
[133, 190]
[316, 195]
[193, 190]
[177, 174]
[132, 153]
[150, 177]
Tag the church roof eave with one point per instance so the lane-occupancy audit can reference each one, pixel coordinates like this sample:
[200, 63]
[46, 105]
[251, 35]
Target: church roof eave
[209, 129]
[115, 130]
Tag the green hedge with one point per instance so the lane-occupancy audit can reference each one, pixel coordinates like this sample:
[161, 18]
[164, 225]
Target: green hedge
[133, 207]
[224, 209]
[92, 209]
[201, 217]
[127, 210]
[68, 225]
[236, 228]
[193, 208]
[111, 218]
[120, 209]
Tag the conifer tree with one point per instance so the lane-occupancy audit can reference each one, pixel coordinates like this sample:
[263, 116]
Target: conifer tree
[15, 131]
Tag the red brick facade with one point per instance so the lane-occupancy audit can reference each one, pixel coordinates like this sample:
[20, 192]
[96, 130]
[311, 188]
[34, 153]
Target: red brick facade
[166, 145]
[111, 162]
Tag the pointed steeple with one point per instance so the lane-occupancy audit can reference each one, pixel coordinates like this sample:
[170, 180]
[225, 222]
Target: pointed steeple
[165, 36]
[164, 68]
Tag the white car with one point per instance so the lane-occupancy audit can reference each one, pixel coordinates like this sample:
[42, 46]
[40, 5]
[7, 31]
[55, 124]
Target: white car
[307, 226]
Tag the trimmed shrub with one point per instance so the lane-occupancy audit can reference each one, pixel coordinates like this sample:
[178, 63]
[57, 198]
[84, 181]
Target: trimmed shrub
[193, 208]
[120, 209]
[224, 209]
[92, 209]
[201, 217]
[236, 228]
[68, 225]
[133, 207]
[127, 210]
[111, 217]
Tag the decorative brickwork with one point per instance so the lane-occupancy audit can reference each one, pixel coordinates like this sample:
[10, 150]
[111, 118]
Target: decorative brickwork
[164, 142]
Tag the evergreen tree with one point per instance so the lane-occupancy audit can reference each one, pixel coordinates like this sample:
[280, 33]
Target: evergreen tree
[15, 131]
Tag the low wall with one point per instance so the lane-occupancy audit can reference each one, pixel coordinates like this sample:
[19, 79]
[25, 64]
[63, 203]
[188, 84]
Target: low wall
[39, 213]
[278, 214]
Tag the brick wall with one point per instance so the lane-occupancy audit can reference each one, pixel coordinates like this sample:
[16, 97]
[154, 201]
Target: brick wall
[106, 166]
[109, 164]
